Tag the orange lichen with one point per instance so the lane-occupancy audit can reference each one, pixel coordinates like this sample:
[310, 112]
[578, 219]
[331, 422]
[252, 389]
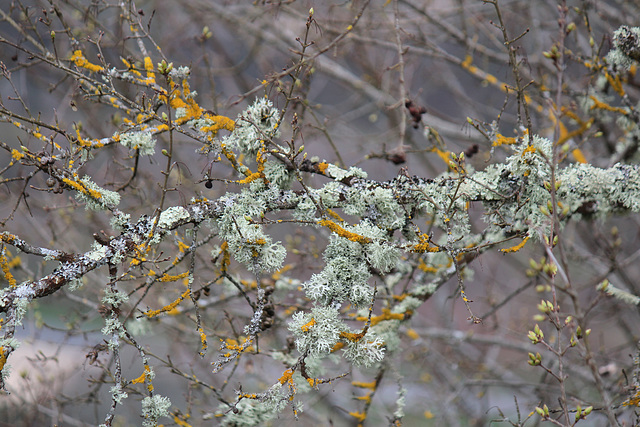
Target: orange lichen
[597, 104]
[308, 325]
[82, 188]
[411, 333]
[334, 215]
[517, 247]
[16, 155]
[386, 315]
[203, 341]
[322, 167]
[3, 357]
[168, 278]
[141, 378]
[6, 271]
[342, 232]
[503, 140]
[286, 377]
[353, 337]
[82, 62]
[170, 307]
[360, 416]
[423, 245]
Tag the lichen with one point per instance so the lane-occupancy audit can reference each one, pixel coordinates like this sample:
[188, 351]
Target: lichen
[142, 141]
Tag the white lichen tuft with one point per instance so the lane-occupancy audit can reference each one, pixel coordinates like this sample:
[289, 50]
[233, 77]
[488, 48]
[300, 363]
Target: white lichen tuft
[626, 47]
[254, 125]
[318, 331]
[142, 141]
[154, 408]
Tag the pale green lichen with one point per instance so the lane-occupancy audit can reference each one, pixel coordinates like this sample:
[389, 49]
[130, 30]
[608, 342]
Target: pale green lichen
[142, 141]
[339, 174]
[247, 241]
[618, 293]
[114, 297]
[118, 394]
[170, 216]
[278, 175]
[626, 47]
[120, 220]
[367, 351]
[154, 408]
[254, 125]
[106, 200]
[322, 336]
[113, 326]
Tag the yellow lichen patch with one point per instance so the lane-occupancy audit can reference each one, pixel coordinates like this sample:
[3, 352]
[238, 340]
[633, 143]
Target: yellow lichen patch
[342, 232]
[400, 297]
[224, 250]
[337, 347]
[334, 215]
[467, 64]
[81, 188]
[7, 237]
[232, 344]
[141, 378]
[168, 278]
[423, 245]
[503, 140]
[148, 66]
[141, 251]
[597, 104]
[517, 247]
[235, 163]
[386, 315]
[615, 83]
[6, 271]
[360, 416]
[286, 376]
[411, 333]
[130, 67]
[220, 122]
[426, 268]
[182, 247]
[353, 337]
[248, 396]
[16, 155]
[178, 99]
[167, 308]
[278, 274]
[529, 149]
[182, 423]
[322, 167]
[308, 325]
[633, 400]
[578, 155]
[444, 155]
[203, 341]
[82, 62]
[366, 398]
[3, 357]
[250, 178]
